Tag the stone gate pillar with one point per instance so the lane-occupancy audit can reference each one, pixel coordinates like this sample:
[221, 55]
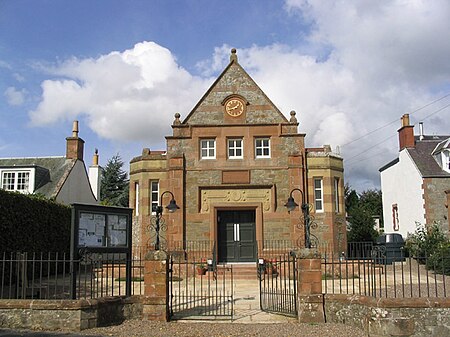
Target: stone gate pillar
[156, 282]
[310, 297]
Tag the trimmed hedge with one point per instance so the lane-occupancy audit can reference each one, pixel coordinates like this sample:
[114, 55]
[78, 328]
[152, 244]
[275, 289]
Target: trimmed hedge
[33, 224]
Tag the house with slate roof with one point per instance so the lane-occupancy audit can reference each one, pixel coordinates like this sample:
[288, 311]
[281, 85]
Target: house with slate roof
[231, 165]
[64, 179]
[416, 185]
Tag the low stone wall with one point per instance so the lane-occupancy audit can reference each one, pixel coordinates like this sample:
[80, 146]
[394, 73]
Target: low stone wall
[390, 316]
[68, 315]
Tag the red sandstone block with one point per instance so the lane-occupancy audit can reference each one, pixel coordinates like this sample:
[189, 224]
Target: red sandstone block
[315, 264]
[316, 288]
[310, 276]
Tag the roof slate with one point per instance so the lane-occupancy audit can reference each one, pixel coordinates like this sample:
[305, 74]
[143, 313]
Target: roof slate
[421, 155]
[51, 172]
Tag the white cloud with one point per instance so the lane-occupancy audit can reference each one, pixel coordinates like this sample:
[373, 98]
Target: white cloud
[15, 97]
[382, 59]
[131, 95]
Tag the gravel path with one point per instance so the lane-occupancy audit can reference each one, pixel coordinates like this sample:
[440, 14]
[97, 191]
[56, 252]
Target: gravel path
[138, 328]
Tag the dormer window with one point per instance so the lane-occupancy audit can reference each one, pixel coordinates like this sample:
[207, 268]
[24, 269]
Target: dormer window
[19, 181]
[441, 154]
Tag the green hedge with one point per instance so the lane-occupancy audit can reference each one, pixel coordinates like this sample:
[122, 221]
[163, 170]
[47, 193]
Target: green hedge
[33, 224]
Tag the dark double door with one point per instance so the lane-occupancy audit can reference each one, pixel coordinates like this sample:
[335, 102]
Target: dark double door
[236, 236]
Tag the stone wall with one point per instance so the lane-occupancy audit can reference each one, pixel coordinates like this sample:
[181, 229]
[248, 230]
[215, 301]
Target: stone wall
[390, 316]
[435, 201]
[68, 315]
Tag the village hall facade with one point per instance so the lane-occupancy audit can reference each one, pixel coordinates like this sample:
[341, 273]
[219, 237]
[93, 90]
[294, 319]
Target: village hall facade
[231, 166]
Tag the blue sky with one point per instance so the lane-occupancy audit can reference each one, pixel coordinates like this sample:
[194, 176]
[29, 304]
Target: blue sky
[124, 68]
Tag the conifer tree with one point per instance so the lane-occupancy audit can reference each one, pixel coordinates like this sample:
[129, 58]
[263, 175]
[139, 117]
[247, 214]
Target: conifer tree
[114, 186]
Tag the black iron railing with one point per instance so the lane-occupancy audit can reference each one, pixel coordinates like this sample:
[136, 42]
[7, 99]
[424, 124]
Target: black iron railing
[380, 273]
[48, 275]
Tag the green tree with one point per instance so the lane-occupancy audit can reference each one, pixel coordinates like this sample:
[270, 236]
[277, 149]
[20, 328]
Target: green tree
[361, 209]
[361, 226]
[351, 198]
[371, 200]
[114, 187]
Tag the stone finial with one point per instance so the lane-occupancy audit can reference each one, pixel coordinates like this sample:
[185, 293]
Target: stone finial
[233, 56]
[145, 151]
[293, 118]
[327, 148]
[177, 119]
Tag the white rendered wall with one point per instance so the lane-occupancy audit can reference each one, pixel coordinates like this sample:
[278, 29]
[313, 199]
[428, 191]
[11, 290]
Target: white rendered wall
[401, 184]
[94, 179]
[77, 187]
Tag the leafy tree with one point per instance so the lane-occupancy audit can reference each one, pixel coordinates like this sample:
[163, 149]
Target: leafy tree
[351, 198]
[361, 226]
[114, 186]
[361, 208]
[371, 200]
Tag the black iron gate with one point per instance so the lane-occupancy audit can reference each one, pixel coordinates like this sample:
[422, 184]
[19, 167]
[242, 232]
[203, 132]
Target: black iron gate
[277, 275]
[199, 287]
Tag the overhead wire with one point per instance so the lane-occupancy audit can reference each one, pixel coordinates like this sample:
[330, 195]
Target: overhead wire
[386, 139]
[396, 120]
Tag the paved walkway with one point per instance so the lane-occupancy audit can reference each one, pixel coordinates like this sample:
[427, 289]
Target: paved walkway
[246, 306]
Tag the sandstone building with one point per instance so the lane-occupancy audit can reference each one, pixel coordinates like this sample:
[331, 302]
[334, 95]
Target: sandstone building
[231, 165]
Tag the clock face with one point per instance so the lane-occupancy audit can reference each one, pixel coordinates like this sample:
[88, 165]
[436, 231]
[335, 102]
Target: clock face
[234, 107]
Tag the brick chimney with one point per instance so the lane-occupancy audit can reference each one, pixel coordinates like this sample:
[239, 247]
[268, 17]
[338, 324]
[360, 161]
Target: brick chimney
[406, 133]
[75, 145]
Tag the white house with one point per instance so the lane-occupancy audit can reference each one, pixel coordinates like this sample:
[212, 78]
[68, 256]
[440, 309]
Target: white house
[414, 184]
[62, 178]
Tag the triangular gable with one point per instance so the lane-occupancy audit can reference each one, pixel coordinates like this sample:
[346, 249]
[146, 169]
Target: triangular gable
[234, 80]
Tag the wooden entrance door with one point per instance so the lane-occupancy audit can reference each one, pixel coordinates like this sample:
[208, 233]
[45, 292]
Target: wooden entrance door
[236, 236]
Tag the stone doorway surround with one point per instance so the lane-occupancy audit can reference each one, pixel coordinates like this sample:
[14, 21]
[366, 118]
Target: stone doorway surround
[257, 207]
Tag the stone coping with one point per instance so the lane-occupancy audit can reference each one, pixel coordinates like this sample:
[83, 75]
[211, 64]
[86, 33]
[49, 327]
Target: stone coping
[418, 302]
[67, 304]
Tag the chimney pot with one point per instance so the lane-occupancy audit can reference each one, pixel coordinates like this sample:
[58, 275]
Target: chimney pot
[75, 129]
[421, 135]
[405, 120]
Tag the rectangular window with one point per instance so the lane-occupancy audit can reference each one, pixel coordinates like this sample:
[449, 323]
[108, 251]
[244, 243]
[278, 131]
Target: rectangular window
[235, 148]
[136, 195]
[262, 147]
[154, 195]
[318, 194]
[16, 181]
[208, 149]
[395, 220]
[336, 195]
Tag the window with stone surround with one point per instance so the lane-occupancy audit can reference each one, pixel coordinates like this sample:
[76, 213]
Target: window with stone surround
[318, 194]
[395, 220]
[336, 195]
[136, 198]
[18, 181]
[235, 148]
[208, 149]
[262, 147]
[154, 195]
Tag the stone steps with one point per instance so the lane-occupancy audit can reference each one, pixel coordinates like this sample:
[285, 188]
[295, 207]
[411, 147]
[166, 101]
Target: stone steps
[240, 271]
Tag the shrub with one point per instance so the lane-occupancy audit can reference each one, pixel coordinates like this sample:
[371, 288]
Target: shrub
[439, 260]
[33, 224]
[425, 241]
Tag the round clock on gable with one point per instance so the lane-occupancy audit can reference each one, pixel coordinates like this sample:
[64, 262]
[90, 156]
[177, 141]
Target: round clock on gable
[234, 107]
